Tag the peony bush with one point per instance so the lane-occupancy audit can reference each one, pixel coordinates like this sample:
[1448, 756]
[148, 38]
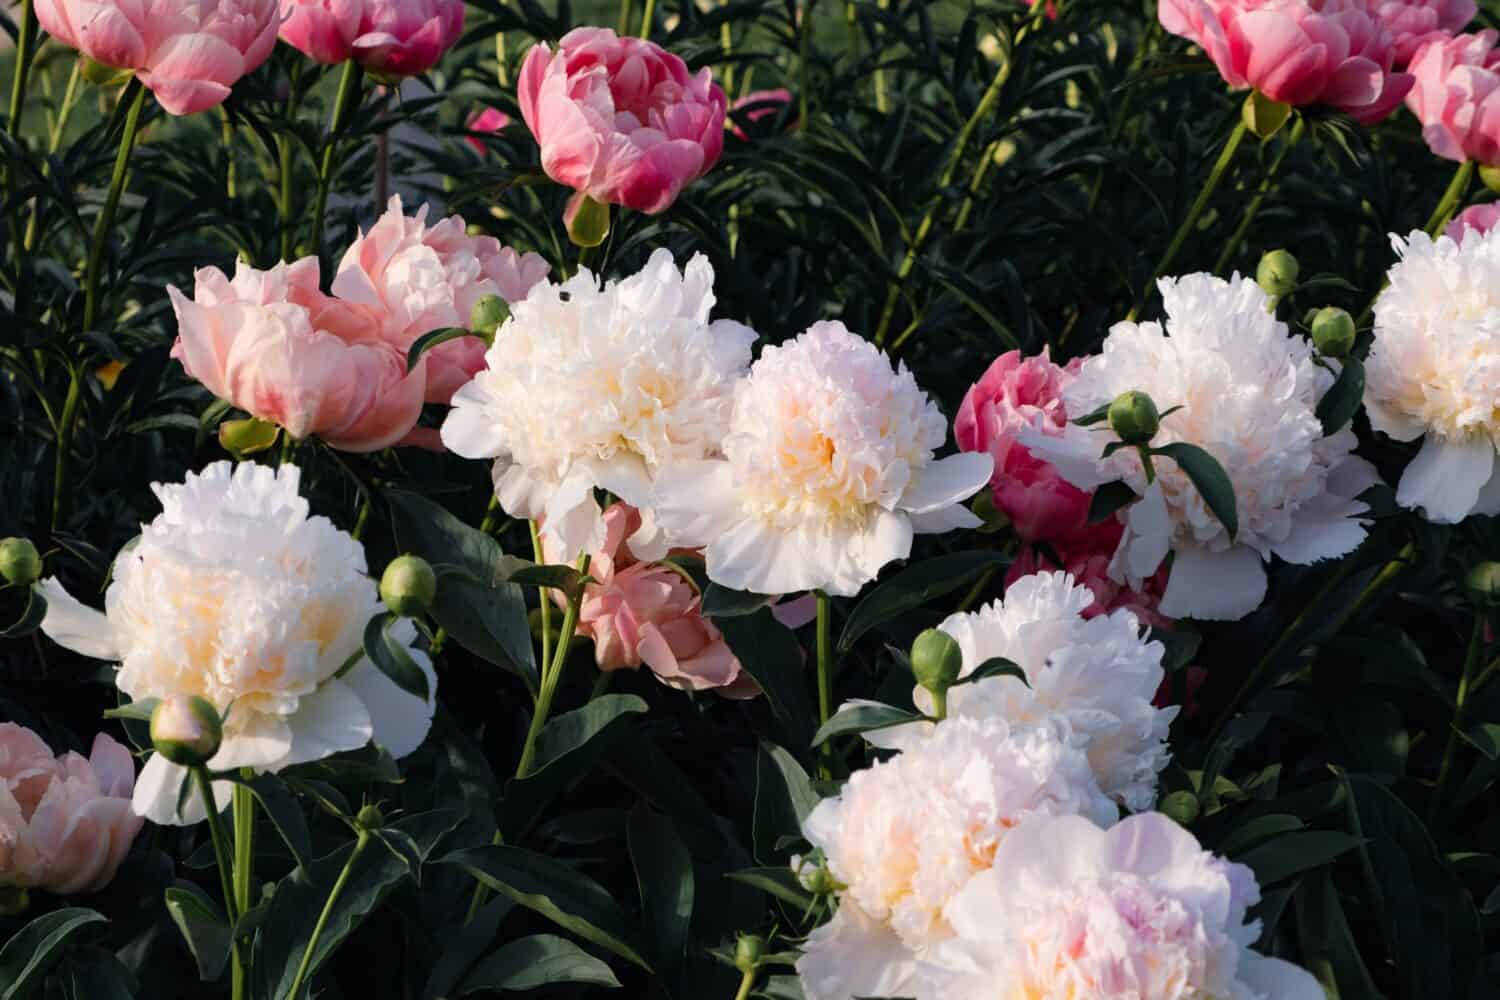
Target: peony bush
[890, 500]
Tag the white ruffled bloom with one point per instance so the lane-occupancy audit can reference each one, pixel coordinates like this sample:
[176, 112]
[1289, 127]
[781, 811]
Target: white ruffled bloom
[600, 387]
[1091, 680]
[827, 472]
[1136, 911]
[907, 835]
[1435, 371]
[1248, 393]
[233, 593]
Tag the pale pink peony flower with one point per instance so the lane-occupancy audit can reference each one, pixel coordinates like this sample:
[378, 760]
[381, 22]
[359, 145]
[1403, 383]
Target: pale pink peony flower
[389, 37]
[621, 120]
[1457, 96]
[1412, 22]
[275, 346]
[186, 52]
[1300, 52]
[65, 822]
[417, 278]
[1480, 218]
[485, 120]
[761, 104]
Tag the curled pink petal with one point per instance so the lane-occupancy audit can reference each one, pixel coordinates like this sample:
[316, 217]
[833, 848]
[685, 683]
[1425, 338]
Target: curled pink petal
[1453, 96]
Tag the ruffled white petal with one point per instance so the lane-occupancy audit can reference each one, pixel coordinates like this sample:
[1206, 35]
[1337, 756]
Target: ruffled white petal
[261, 742]
[573, 521]
[1074, 453]
[76, 626]
[1146, 541]
[947, 481]
[468, 430]
[695, 502]
[1445, 478]
[1214, 586]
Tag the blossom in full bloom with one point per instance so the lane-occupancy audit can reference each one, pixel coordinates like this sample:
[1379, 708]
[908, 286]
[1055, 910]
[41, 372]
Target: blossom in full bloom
[390, 37]
[1457, 95]
[1412, 22]
[905, 836]
[417, 278]
[1337, 53]
[1090, 678]
[827, 472]
[188, 53]
[1434, 371]
[235, 594]
[65, 822]
[1139, 910]
[593, 385]
[1246, 391]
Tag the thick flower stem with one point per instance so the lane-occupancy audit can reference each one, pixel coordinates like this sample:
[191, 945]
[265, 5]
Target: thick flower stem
[1253, 209]
[1452, 198]
[221, 843]
[25, 46]
[351, 89]
[551, 674]
[648, 18]
[747, 983]
[1460, 714]
[64, 443]
[244, 871]
[545, 604]
[333, 897]
[136, 95]
[1190, 222]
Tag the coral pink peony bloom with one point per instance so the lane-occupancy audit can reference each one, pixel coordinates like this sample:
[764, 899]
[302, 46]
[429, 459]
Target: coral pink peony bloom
[1457, 96]
[621, 120]
[388, 37]
[1412, 22]
[1480, 218]
[1299, 52]
[275, 346]
[187, 52]
[761, 104]
[417, 278]
[485, 121]
[65, 822]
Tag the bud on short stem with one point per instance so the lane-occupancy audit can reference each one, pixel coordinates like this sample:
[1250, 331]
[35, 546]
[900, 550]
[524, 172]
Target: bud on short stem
[487, 316]
[20, 562]
[1483, 584]
[1333, 332]
[370, 818]
[408, 586]
[1133, 416]
[1277, 273]
[937, 660]
[186, 730]
[748, 951]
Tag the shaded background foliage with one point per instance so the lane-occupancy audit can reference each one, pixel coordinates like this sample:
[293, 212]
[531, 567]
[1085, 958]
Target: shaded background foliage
[1040, 236]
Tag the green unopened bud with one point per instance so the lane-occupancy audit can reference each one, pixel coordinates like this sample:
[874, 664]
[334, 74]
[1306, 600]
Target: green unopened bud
[487, 315]
[1333, 332]
[248, 436]
[186, 730]
[408, 586]
[1134, 418]
[748, 951]
[20, 562]
[820, 881]
[370, 818]
[1483, 584]
[587, 221]
[936, 659]
[1277, 273]
[1180, 807]
[1490, 177]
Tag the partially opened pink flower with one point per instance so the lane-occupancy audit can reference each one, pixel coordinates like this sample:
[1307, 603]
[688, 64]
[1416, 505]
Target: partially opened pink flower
[415, 278]
[761, 104]
[388, 37]
[65, 822]
[484, 121]
[1480, 218]
[1457, 96]
[621, 120]
[1412, 22]
[275, 346]
[189, 53]
[1332, 52]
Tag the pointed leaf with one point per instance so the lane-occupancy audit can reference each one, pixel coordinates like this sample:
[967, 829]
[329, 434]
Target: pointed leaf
[32, 952]
[530, 963]
[664, 876]
[1342, 400]
[915, 586]
[203, 927]
[863, 718]
[1209, 478]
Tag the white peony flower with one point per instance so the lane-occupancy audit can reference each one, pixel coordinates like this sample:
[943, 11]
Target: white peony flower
[600, 387]
[1248, 393]
[827, 472]
[1139, 910]
[235, 594]
[1092, 681]
[1435, 370]
[906, 835]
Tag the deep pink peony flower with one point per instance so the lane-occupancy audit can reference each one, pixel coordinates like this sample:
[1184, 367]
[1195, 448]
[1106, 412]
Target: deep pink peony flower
[1412, 22]
[389, 37]
[1480, 218]
[189, 53]
[1457, 96]
[621, 120]
[486, 120]
[762, 104]
[416, 278]
[1332, 52]
[275, 346]
[65, 822]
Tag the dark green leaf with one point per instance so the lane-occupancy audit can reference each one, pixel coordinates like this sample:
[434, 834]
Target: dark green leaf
[664, 876]
[285, 811]
[533, 962]
[721, 602]
[203, 928]
[995, 666]
[863, 717]
[391, 656]
[139, 710]
[31, 953]
[92, 973]
[1328, 946]
[1097, 416]
[1209, 478]
[1256, 831]
[567, 749]
[31, 617]
[1485, 738]
[915, 586]
[780, 882]
[771, 655]
[428, 341]
[1341, 401]
[563, 578]
[783, 797]
[1294, 853]
[1109, 498]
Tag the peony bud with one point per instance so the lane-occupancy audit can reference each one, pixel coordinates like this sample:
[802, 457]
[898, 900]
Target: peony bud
[1483, 584]
[747, 952]
[20, 562]
[936, 660]
[186, 730]
[1277, 273]
[1133, 417]
[1333, 332]
[1180, 807]
[487, 315]
[1489, 175]
[370, 818]
[408, 586]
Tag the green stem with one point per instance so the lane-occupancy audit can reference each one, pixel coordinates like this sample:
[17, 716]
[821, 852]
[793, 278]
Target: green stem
[64, 445]
[1251, 210]
[221, 842]
[351, 89]
[882, 96]
[747, 982]
[136, 95]
[1190, 222]
[939, 702]
[333, 897]
[1460, 714]
[226, 138]
[804, 49]
[1147, 465]
[54, 139]
[545, 603]
[726, 42]
[244, 871]
[825, 676]
[624, 22]
[550, 676]
[25, 44]
[648, 18]
[1452, 198]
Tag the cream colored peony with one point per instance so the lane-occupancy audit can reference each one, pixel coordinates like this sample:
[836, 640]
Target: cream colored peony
[1248, 393]
[827, 471]
[234, 593]
[1434, 371]
[907, 835]
[599, 387]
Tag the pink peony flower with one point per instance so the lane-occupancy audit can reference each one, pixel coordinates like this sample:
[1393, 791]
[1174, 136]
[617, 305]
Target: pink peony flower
[761, 104]
[388, 37]
[485, 121]
[1457, 96]
[65, 822]
[186, 52]
[1480, 218]
[1090, 567]
[416, 278]
[1299, 52]
[1412, 22]
[621, 120]
[275, 346]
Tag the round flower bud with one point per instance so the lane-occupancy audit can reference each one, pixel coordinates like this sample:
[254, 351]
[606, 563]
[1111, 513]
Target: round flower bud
[820, 882]
[1180, 807]
[936, 659]
[408, 586]
[1483, 584]
[487, 315]
[1277, 273]
[1333, 332]
[186, 730]
[747, 952]
[1490, 176]
[20, 562]
[370, 818]
[1133, 417]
